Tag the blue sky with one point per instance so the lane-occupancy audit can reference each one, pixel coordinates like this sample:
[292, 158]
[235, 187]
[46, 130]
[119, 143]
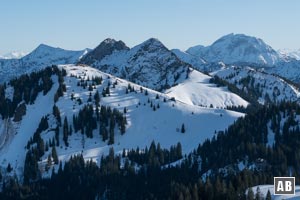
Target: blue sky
[76, 24]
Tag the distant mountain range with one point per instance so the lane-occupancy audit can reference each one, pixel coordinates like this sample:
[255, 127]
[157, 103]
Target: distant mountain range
[153, 65]
[13, 55]
[39, 58]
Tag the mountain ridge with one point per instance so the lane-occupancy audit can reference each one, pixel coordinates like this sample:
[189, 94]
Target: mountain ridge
[41, 57]
[150, 64]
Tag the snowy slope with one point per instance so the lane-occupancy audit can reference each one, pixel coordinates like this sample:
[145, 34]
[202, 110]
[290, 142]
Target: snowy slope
[14, 151]
[39, 58]
[268, 87]
[263, 190]
[237, 49]
[288, 69]
[196, 50]
[287, 53]
[195, 61]
[196, 90]
[149, 64]
[198, 62]
[144, 124]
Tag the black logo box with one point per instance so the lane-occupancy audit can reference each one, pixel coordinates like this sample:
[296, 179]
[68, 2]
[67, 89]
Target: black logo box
[284, 183]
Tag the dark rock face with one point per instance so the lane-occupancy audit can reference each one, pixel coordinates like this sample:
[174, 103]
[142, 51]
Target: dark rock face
[107, 47]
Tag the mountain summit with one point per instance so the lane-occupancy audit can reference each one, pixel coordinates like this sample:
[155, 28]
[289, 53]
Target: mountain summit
[238, 49]
[150, 63]
[105, 48]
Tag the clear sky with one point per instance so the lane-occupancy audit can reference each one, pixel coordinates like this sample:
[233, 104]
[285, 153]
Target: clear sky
[77, 24]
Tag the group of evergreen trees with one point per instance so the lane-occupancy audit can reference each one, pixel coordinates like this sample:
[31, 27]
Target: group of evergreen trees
[90, 84]
[26, 88]
[104, 117]
[62, 87]
[112, 180]
[36, 149]
[246, 140]
[154, 156]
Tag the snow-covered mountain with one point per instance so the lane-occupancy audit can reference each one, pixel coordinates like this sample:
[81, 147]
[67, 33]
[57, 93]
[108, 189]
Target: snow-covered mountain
[259, 85]
[45, 54]
[149, 64]
[151, 116]
[287, 53]
[237, 49]
[13, 55]
[105, 48]
[243, 50]
[39, 58]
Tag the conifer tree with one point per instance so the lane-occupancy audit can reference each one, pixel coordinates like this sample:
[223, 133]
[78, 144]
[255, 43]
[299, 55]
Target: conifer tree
[111, 137]
[49, 163]
[250, 194]
[258, 194]
[65, 131]
[57, 135]
[41, 147]
[123, 125]
[97, 98]
[56, 113]
[182, 128]
[54, 155]
[268, 197]
[9, 168]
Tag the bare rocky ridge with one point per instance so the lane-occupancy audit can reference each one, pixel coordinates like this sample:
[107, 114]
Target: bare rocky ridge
[149, 64]
[105, 48]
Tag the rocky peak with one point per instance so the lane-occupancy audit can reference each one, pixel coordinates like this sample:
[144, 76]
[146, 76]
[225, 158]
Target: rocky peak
[105, 48]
